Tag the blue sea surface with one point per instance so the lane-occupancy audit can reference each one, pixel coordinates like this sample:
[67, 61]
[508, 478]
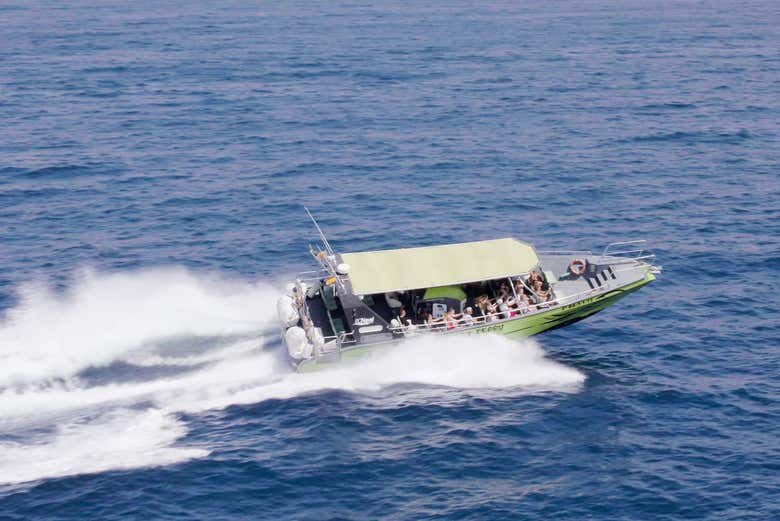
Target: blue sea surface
[154, 161]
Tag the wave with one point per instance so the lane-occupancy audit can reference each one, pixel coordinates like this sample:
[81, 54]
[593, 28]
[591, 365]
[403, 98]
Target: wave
[216, 334]
[122, 439]
[67, 171]
[105, 317]
[690, 137]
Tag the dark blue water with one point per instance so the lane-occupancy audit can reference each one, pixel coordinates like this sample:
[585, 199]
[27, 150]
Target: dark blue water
[154, 160]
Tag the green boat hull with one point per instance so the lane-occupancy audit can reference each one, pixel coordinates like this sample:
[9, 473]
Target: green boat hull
[523, 326]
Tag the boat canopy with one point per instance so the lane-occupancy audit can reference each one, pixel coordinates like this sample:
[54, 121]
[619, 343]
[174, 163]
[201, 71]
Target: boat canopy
[450, 264]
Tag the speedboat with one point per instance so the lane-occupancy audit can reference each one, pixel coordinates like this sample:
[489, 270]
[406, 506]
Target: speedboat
[356, 302]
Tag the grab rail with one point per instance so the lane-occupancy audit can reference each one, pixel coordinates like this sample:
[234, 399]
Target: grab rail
[565, 252]
[498, 317]
[312, 275]
[623, 248]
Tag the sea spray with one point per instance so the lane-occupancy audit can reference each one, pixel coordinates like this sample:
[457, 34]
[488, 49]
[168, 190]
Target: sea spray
[120, 439]
[131, 318]
[104, 317]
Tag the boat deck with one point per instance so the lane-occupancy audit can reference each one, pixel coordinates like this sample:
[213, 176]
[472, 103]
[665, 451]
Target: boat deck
[319, 315]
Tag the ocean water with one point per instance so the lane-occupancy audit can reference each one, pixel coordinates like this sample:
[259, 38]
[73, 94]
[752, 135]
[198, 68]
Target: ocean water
[154, 160]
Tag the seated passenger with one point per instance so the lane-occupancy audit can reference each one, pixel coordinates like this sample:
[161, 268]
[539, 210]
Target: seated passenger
[403, 318]
[534, 276]
[425, 317]
[468, 318]
[435, 323]
[450, 320]
[482, 303]
[542, 289]
[525, 304]
[503, 308]
[492, 310]
[520, 288]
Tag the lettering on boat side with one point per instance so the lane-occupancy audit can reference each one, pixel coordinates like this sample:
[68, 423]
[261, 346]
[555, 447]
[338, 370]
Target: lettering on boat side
[488, 329]
[364, 321]
[580, 303]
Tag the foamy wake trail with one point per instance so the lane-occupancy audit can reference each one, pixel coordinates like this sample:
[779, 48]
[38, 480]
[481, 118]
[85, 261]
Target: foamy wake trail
[105, 317]
[122, 439]
[48, 341]
[484, 362]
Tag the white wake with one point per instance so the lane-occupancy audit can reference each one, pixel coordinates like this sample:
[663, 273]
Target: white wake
[210, 332]
[122, 439]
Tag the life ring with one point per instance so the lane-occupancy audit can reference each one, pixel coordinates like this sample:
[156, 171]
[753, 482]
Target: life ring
[577, 267]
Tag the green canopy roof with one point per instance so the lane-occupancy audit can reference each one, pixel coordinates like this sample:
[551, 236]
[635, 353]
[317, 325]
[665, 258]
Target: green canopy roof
[450, 264]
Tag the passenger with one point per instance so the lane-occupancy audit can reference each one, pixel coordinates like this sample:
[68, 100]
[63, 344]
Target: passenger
[403, 318]
[482, 304]
[520, 288]
[433, 322]
[450, 320]
[504, 292]
[422, 317]
[529, 282]
[468, 318]
[542, 289]
[503, 308]
[492, 310]
[525, 304]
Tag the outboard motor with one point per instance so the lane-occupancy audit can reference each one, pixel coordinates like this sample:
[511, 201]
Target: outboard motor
[285, 308]
[298, 345]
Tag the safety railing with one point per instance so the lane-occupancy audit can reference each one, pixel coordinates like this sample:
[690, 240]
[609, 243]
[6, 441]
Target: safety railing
[575, 253]
[441, 326]
[312, 275]
[631, 249]
[334, 343]
[328, 345]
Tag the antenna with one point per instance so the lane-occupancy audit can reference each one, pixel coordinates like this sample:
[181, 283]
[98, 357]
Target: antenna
[322, 235]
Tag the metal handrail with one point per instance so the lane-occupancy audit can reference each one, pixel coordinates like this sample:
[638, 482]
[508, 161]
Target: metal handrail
[632, 260]
[564, 252]
[347, 337]
[312, 275]
[540, 308]
[640, 248]
[498, 316]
